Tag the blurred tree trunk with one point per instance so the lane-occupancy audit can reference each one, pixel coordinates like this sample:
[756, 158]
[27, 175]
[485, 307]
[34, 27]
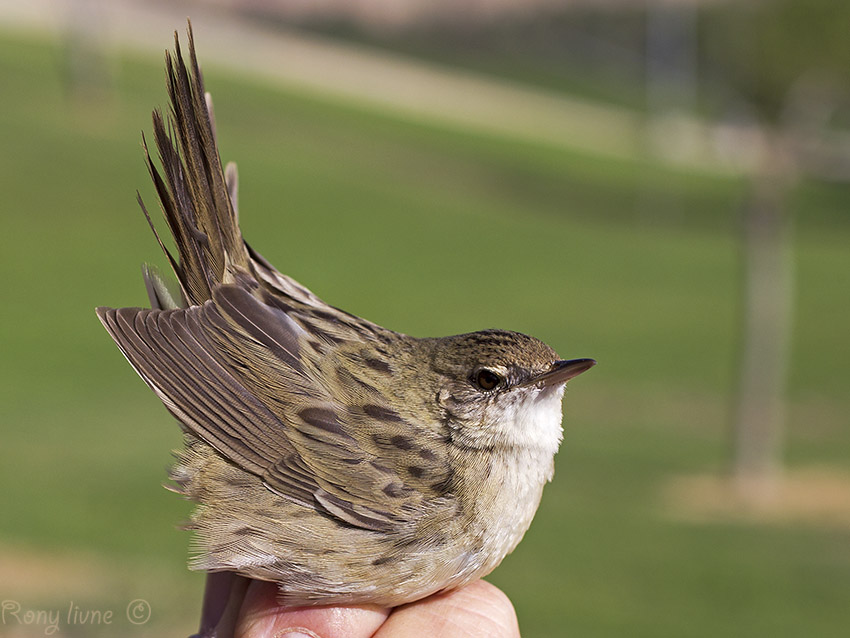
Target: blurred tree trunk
[84, 66]
[766, 324]
[671, 58]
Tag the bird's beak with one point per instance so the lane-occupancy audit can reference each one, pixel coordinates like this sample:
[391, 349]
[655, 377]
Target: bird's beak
[561, 372]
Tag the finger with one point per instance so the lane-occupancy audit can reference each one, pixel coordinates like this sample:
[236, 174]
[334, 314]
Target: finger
[262, 616]
[478, 610]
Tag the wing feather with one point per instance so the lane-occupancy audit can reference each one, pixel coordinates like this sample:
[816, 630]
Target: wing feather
[234, 371]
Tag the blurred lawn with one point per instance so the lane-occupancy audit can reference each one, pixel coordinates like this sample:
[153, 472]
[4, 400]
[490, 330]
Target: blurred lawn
[430, 233]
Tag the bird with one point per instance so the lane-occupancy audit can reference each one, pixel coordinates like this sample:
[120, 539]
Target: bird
[346, 462]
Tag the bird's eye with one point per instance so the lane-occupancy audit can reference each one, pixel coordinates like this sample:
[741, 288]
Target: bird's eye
[487, 379]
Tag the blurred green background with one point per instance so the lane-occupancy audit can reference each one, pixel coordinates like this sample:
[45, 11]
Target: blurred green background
[429, 230]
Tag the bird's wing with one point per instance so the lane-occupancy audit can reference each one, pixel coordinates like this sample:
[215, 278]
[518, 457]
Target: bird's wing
[235, 372]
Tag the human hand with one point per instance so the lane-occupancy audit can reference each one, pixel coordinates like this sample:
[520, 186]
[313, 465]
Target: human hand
[479, 609]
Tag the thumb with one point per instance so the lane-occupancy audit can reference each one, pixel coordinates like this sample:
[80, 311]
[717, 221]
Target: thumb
[262, 617]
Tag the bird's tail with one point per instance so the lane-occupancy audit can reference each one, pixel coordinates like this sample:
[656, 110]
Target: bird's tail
[198, 197]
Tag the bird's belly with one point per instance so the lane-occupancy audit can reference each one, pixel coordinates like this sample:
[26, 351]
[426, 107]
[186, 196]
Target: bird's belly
[242, 526]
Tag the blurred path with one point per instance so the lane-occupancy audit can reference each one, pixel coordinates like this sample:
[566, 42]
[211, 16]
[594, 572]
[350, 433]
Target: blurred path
[350, 72]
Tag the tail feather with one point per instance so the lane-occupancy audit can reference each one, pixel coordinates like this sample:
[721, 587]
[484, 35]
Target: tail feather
[198, 201]
[162, 291]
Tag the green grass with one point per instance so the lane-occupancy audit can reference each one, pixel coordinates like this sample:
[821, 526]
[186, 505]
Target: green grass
[428, 232]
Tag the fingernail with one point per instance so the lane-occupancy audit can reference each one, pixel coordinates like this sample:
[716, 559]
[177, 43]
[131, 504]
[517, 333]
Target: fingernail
[295, 632]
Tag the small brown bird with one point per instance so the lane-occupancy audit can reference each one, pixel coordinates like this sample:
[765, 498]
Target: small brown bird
[346, 462]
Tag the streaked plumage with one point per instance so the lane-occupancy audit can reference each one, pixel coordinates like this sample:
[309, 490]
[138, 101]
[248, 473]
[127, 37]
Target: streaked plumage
[347, 462]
